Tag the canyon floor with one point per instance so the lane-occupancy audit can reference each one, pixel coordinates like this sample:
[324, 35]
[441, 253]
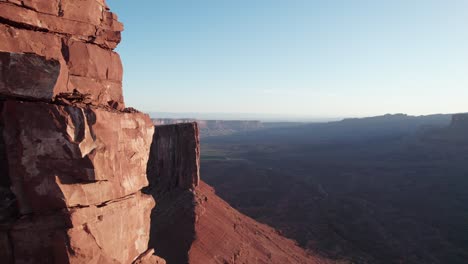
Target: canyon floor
[389, 189]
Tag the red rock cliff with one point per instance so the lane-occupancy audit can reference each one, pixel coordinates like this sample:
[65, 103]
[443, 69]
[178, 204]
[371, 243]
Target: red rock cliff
[73, 158]
[175, 158]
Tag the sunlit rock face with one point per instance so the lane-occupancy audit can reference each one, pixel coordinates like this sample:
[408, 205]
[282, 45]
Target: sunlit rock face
[73, 158]
[63, 47]
[70, 156]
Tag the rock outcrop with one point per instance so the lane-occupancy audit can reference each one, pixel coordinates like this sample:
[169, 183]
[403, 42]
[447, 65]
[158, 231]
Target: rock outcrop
[175, 156]
[190, 224]
[73, 158]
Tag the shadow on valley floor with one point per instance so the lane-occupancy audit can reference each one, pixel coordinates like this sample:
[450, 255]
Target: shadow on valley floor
[387, 190]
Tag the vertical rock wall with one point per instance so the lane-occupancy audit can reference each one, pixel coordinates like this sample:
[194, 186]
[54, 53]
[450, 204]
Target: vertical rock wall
[72, 157]
[173, 173]
[175, 157]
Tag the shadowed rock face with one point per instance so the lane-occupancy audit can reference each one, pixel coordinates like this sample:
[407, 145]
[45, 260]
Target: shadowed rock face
[175, 157]
[28, 75]
[173, 173]
[73, 158]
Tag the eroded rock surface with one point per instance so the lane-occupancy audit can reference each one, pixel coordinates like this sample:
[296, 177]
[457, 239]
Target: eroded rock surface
[73, 158]
[112, 232]
[75, 38]
[69, 156]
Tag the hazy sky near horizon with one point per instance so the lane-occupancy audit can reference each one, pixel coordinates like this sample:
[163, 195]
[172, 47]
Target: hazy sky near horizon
[329, 58]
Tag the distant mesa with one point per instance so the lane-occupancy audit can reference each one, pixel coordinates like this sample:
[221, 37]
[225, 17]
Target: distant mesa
[460, 121]
[215, 127]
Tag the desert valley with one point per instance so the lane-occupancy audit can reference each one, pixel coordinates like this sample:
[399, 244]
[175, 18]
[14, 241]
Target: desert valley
[88, 178]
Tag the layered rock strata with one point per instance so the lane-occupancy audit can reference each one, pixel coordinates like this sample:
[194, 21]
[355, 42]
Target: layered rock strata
[73, 158]
[60, 49]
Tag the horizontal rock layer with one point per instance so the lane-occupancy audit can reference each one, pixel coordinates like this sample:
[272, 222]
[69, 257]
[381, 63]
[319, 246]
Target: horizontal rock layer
[84, 64]
[87, 20]
[65, 156]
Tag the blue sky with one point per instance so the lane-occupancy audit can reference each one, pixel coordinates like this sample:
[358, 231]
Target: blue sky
[329, 58]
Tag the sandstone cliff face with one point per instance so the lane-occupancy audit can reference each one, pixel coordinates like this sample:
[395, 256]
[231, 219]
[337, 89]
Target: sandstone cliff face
[50, 49]
[73, 158]
[173, 173]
